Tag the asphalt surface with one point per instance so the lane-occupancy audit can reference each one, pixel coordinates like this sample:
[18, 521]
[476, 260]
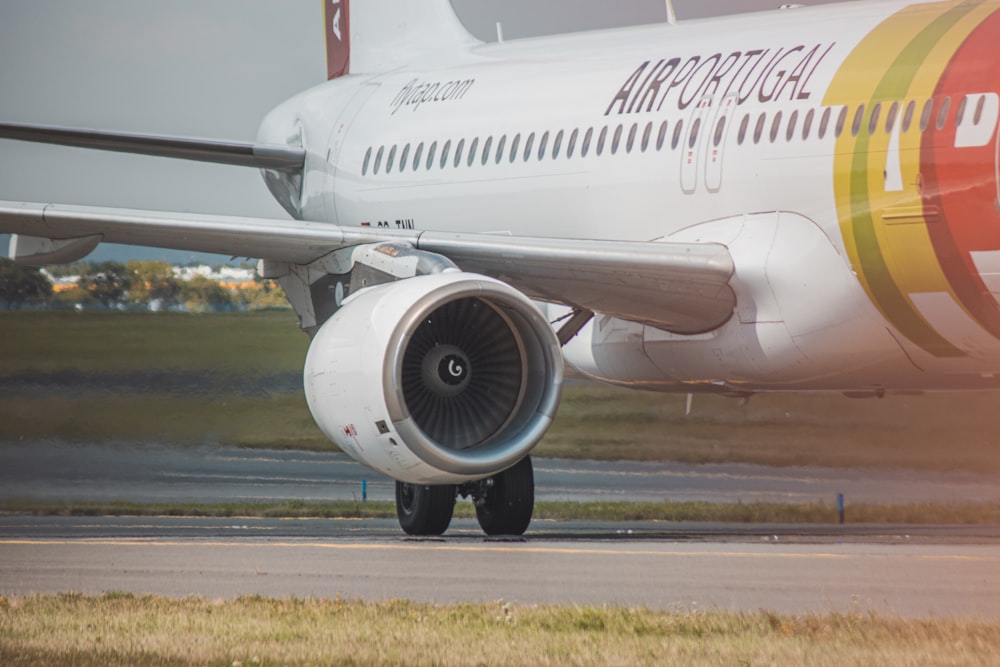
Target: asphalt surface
[57, 470]
[913, 571]
[933, 572]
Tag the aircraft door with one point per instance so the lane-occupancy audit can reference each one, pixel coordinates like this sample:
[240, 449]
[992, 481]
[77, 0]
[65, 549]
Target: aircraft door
[334, 170]
[717, 143]
[692, 145]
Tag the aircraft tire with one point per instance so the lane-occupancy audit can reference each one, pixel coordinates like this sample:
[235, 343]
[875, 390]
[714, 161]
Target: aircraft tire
[424, 510]
[509, 503]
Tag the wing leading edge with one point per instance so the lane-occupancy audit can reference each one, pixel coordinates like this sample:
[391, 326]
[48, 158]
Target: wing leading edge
[679, 287]
[261, 156]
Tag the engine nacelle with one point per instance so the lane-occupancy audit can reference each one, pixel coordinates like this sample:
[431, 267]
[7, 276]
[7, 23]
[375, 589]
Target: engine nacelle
[437, 379]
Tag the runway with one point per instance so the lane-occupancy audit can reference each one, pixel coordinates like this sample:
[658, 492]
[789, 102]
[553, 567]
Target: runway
[911, 580]
[906, 571]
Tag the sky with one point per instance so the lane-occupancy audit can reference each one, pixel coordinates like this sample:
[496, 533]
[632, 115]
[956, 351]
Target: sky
[208, 68]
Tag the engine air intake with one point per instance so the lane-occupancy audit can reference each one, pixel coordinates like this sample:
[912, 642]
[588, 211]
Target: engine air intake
[463, 373]
[435, 379]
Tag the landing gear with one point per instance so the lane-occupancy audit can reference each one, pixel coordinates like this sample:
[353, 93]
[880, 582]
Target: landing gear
[505, 502]
[424, 510]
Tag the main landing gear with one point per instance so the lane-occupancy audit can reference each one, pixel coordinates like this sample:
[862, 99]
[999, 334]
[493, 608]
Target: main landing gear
[504, 503]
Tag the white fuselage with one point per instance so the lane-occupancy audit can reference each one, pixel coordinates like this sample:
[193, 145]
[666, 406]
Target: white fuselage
[648, 134]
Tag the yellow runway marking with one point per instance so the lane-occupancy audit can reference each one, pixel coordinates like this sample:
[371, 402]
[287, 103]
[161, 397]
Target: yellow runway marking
[493, 548]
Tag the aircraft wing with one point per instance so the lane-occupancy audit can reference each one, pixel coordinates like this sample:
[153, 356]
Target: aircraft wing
[262, 156]
[679, 287]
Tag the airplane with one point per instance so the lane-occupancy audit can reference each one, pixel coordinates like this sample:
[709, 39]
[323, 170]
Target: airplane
[805, 199]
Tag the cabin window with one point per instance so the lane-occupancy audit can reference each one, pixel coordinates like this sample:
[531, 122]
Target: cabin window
[585, 148]
[528, 146]
[631, 138]
[807, 124]
[792, 120]
[824, 122]
[431, 152]
[890, 118]
[859, 115]
[513, 147]
[390, 160]
[925, 115]
[678, 131]
[775, 126]
[980, 106]
[500, 148]
[404, 159]
[693, 138]
[758, 130]
[368, 158]
[555, 147]
[744, 125]
[472, 152]
[459, 150]
[646, 134]
[557, 144]
[720, 129]
[445, 150]
[617, 140]
[838, 128]
[943, 113]
[542, 145]
[960, 111]
[572, 142]
[873, 119]
[416, 156]
[601, 140]
[487, 146]
[908, 115]
[662, 136]
[378, 159]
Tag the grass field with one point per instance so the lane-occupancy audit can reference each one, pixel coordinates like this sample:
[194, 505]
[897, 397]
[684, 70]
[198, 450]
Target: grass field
[101, 376]
[223, 378]
[122, 629]
[256, 342]
[757, 512]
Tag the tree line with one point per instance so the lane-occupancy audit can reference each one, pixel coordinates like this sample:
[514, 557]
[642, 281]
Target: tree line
[134, 285]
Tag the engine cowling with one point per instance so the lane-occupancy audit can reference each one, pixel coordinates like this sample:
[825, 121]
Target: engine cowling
[436, 379]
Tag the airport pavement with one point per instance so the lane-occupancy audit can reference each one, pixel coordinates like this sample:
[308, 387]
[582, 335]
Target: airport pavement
[55, 470]
[906, 570]
[764, 572]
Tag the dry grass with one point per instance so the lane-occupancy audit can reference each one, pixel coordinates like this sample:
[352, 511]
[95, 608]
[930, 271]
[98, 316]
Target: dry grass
[121, 629]
[278, 422]
[785, 513]
[933, 432]
[265, 341]
[956, 431]
[940, 432]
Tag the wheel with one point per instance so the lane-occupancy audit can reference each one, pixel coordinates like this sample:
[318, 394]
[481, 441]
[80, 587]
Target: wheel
[424, 510]
[509, 502]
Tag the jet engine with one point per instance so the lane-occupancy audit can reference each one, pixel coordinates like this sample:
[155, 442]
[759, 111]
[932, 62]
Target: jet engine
[436, 379]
